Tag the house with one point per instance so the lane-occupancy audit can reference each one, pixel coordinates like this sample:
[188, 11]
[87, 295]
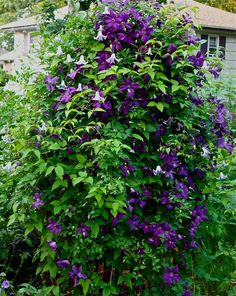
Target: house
[25, 40]
[218, 29]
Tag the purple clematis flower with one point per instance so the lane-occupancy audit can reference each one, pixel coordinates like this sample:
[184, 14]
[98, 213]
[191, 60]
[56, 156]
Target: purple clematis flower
[54, 227]
[197, 60]
[38, 202]
[134, 223]
[215, 71]
[5, 284]
[62, 263]
[130, 86]
[68, 94]
[52, 245]
[76, 274]
[84, 229]
[171, 275]
[51, 82]
[116, 219]
[126, 168]
[172, 48]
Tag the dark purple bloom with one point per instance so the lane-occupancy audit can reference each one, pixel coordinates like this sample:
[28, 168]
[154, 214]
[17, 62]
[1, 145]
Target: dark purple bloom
[54, 227]
[76, 274]
[187, 293]
[51, 82]
[215, 71]
[171, 275]
[196, 101]
[170, 164]
[161, 131]
[63, 263]
[5, 284]
[192, 39]
[115, 220]
[181, 190]
[126, 168]
[37, 145]
[172, 48]
[102, 57]
[85, 138]
[84, 229]
[130, 86]
[197, 60]
[126, 106]
[38, 202]
[144, 32]
[187, 19]
[68, 94]
[52, 245]
[139, 146]
[134, 223]
[106, 106]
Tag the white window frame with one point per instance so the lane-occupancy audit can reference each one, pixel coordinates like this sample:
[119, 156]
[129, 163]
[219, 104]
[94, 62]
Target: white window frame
[217, 45]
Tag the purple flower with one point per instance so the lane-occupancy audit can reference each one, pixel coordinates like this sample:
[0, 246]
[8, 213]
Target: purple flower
[76, 274]
[144, 32]
[134, 223]
[187, 293]
[181, 190]
[171, 275]
[63, 263]
[84, 229]
[115, 220]
[172, 48]
[103, 60]
[126, 168]
[215, 71]
[38, 202]
[5, 284]
[170, 164]
[126, 106]
[66, 97]
[197, 60]
[187, 19]
[130, 86]
[85, 138]
[196, 100]
[52, 245]
[51, 82]
[54, 227]
[192, 39]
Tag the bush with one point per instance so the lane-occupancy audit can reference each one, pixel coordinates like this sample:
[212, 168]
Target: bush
[113, 172]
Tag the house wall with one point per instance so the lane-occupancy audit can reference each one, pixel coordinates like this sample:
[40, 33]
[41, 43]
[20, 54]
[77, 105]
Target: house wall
[230, 50]
[230, 55]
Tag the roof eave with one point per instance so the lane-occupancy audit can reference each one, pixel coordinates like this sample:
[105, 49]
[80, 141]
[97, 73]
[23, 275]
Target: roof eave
[210, 27]
[20, 28]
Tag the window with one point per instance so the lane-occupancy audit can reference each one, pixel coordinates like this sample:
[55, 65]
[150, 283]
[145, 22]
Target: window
[214, 46]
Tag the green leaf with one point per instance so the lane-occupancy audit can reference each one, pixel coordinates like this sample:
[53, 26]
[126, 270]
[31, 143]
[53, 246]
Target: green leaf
[56, 290]
[162, 88]
[138, 137]
[59, 183]
[160, 106]
[59, 172]
[85, 285]
[49, 170]
[95, 229]
[174, 88]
